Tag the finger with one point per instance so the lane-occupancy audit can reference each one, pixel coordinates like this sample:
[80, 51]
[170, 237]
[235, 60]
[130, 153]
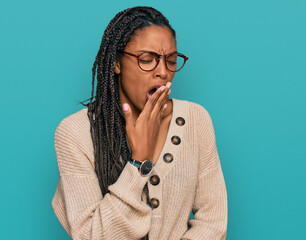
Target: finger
[146, 112]
[161, 101]
[129, 125]
[165, 98]
[163, 110]
[162, 98]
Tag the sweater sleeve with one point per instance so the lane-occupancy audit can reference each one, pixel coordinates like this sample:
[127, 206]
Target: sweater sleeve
[78, 201]
[210, 203]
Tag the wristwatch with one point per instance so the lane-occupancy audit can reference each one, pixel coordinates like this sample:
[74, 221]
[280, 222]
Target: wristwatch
[145, 167]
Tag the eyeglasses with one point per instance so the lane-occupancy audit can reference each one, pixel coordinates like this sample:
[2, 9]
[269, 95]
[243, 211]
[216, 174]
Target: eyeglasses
[148, 61]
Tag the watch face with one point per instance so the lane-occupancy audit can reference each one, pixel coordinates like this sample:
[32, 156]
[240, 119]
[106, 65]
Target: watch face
[146, 167]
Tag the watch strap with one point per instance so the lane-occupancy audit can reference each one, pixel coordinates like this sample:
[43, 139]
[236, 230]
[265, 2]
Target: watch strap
[135, 163]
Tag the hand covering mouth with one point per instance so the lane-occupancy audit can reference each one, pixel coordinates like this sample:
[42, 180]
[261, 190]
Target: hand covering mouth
[153, 90]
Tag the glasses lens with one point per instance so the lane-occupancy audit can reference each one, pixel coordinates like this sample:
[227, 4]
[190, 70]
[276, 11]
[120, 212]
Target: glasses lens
[175, 62]
[148, 61]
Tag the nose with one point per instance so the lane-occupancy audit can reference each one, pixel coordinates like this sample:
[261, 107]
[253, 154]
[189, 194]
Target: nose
[161, 69]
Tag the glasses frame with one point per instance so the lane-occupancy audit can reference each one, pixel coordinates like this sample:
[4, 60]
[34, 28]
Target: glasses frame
[159, 56]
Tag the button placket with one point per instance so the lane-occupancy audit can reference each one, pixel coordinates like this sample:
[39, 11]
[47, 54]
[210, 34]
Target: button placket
[170, 151]
[168, 154]
[156, 191]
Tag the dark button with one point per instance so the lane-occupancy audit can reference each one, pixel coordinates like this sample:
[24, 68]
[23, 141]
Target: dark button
[154, 203]
[180, 121]
[176, 140]
[168, 157]
[154, 180]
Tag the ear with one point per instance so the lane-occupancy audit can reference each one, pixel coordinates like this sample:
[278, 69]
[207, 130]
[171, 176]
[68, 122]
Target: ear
[117, 66]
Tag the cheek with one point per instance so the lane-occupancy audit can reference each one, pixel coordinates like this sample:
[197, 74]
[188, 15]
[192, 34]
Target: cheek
[134, 84]
[172, 76]
[130, 73]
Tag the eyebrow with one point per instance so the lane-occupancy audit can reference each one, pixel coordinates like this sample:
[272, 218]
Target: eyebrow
[154, 52]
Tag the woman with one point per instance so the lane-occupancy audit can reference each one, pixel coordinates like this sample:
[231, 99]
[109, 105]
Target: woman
[133, 164]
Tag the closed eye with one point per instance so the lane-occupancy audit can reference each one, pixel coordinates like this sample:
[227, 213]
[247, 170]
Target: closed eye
[171, 62]
[145, 61]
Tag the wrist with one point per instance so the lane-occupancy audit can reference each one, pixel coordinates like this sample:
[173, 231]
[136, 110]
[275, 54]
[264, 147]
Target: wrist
[139, 157]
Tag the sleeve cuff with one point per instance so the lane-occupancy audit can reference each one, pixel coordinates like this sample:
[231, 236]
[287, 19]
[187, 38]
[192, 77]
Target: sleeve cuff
[129, 185]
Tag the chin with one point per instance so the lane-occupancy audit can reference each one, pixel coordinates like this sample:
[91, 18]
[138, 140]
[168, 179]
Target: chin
[143, 105]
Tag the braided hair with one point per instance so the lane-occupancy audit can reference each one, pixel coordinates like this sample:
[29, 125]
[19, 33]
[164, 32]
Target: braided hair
[107, 122]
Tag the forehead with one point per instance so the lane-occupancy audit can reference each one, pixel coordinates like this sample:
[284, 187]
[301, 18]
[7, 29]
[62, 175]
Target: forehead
[153, 38]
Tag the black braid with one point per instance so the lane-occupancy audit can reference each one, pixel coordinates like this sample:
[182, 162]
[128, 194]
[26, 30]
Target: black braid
[107, 122]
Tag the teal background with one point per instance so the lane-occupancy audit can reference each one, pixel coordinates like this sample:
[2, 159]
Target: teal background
[247, 68]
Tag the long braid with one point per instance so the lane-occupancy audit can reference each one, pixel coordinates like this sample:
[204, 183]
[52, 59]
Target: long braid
[107, 122]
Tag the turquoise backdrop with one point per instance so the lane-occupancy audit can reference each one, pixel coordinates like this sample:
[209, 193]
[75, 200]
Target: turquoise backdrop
[247, 68]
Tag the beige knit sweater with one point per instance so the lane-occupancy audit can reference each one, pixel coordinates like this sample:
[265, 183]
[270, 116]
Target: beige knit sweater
[191, 179]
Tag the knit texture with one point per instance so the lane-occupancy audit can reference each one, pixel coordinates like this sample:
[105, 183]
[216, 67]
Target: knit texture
[193, 181]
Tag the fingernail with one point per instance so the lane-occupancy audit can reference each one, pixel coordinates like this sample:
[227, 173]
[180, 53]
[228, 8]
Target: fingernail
[168, 84]
[169, 91]
[125, 107]
[165, 105]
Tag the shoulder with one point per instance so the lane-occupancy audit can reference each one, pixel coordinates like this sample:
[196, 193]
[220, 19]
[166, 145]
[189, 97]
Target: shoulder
[199, 119]
[75, 129]
[75, 122]
[195, 110]
[73, 144]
